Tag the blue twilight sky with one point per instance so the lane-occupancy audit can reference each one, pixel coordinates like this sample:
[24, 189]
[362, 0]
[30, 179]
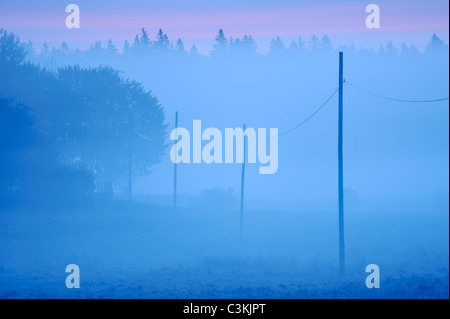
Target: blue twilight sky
[411, 22]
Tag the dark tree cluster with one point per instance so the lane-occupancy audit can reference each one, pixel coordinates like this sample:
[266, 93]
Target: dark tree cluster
[74, 132]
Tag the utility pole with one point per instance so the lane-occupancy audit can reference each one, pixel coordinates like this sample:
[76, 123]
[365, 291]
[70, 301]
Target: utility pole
[341, 168]
[175, 167]
[130, 158]
[241, 213]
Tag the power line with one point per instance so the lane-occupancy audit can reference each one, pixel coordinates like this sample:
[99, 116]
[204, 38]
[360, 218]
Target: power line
[393, 99]
[311, 116]
[357, 88]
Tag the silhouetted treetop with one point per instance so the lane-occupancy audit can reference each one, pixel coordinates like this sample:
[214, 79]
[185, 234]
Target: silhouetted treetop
[11, 52]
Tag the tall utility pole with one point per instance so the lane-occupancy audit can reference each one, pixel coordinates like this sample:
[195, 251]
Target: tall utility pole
[241, 213]
[175, 167]
[341, 168]
[130, 158]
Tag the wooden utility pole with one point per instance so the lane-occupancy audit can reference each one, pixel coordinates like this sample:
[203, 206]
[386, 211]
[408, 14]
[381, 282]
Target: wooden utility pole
[341, 168]
[175, 167]
[241, 213]
[130, 158]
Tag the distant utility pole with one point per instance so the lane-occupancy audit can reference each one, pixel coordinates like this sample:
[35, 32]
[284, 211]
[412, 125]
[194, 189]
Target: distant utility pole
[341, 168]
[241, 214]
[175, 167]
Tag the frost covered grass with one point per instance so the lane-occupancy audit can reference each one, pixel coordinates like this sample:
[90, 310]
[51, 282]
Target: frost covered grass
[142, 251]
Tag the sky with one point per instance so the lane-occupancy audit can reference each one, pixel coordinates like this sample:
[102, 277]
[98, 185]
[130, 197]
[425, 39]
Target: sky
[410, 22]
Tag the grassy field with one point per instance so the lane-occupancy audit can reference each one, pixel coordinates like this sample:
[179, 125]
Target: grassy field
[143, 251]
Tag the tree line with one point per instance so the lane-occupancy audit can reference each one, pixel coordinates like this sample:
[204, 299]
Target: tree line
[162, 45]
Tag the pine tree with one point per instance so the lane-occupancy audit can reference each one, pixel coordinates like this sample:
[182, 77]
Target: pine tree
[111, 48]
[64, 48]
[136, 43]
[126, 47]
[277, 46]
[162, 41]
[436, 45]
[221, 42]
[180, 46]
[193, 51]
[144, 41]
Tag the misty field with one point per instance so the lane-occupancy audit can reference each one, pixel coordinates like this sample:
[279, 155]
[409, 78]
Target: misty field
[143, 251]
